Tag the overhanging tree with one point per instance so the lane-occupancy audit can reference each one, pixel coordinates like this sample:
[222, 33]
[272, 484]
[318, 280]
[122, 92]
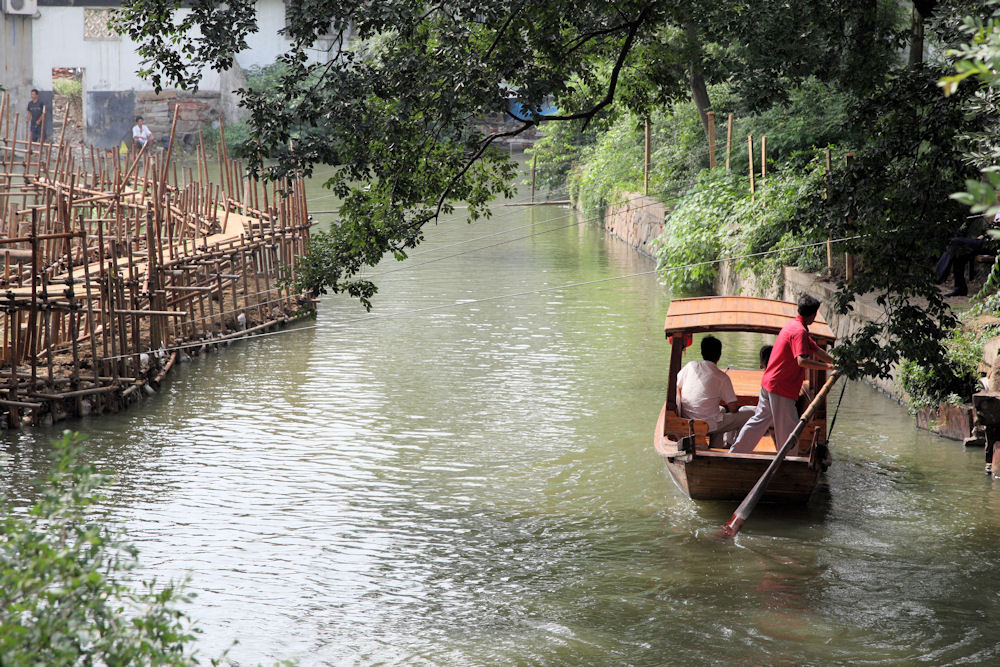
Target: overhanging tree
[393, 106]
[392, 102]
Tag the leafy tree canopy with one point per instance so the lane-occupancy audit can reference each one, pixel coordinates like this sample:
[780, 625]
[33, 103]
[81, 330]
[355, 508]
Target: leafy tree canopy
[893, 204]
[389, 103]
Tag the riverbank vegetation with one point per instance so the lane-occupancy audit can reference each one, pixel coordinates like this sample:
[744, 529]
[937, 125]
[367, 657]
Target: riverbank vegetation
[898, 149]
[67, 592]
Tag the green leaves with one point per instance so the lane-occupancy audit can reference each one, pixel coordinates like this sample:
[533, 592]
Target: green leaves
[894, 196]
[978, 62]
[694, 232]
[718, 217]
[65, 592]
[927, 385]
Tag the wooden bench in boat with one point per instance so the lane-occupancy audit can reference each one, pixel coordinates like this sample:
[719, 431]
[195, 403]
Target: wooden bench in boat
[679, 428]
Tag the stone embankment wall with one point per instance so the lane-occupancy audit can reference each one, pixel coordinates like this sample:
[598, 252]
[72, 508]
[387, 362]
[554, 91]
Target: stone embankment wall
[637, 220]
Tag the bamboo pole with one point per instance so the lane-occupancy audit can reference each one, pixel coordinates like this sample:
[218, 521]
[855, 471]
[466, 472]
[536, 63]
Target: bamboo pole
[826, 192]
[711, 140]
[35, 274]
[646, 159]
[763, 160]
[729, 140]
[848, 257]
[170, 149]
[534, 161]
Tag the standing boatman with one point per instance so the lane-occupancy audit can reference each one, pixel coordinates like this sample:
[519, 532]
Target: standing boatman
[794, 351]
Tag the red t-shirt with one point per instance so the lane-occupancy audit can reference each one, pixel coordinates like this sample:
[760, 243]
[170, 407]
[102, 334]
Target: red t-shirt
[784, 376]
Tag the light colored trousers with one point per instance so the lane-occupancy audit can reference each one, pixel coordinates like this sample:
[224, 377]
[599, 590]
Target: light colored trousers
[730, 427]
[772, 410]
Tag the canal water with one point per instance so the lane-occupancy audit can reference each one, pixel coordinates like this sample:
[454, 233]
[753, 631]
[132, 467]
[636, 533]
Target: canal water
[466, 476]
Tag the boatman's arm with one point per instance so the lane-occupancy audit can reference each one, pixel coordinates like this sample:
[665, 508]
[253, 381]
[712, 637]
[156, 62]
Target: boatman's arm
[810, 355]
[818, 360]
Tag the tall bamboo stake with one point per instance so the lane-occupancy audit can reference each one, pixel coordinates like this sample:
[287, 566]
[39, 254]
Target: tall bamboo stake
[711, 140]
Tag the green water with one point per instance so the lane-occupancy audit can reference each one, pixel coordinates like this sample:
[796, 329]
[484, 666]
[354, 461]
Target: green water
[476, 485]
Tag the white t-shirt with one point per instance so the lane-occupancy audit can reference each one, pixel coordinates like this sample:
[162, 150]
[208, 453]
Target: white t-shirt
[702, 387]
[141, 133]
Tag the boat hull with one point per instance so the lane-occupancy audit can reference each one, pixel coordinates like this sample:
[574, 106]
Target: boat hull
[707, 477]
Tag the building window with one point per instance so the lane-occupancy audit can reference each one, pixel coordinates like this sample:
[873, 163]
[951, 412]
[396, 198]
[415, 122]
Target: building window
[95, 24]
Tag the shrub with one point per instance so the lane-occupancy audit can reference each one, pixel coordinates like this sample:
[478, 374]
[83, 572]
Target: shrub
[237, 136]
[679, 150]
[71, 88]
[776, 218]
[956, 375]
[65, 595]
[719, 217]
[559, 149]
[814, 116]
[693, 233]
[610, 167]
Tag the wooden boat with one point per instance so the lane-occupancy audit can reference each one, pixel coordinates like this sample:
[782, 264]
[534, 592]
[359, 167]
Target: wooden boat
[716, 474]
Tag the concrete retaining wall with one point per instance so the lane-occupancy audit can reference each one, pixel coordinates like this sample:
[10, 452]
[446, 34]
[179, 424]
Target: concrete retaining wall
[637, 221]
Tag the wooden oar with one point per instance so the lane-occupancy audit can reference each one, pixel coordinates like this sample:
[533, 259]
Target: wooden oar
[743, 511]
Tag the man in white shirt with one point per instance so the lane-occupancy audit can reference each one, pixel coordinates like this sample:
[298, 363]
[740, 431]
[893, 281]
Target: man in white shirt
[140, 134]
[705, 392]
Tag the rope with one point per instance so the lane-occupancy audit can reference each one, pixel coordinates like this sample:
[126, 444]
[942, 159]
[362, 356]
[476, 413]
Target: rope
[833, 422]
[499, 297]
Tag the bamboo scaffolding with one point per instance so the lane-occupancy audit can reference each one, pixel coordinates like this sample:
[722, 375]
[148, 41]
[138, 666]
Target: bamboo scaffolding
[112, 268]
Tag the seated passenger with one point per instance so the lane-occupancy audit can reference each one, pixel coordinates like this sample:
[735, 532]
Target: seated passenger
[705, 392]
[765, 355]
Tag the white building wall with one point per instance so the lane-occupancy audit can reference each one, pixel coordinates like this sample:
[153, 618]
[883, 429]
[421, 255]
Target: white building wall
[266, 44]
[109, 64]
[112, 64]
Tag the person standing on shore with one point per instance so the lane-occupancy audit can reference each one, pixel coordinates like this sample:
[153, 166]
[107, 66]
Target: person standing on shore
[794, 352]
[36, 116]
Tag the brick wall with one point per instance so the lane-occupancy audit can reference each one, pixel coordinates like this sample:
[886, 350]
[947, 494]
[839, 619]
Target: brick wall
[197, 110]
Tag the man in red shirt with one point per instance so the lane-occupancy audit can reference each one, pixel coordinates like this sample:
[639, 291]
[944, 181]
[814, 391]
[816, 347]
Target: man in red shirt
[794, 351]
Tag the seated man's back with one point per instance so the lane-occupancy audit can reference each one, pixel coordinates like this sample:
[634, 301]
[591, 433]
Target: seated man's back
[705, 392]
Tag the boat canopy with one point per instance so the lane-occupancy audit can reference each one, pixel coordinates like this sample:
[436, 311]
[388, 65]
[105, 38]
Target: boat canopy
[738, 313]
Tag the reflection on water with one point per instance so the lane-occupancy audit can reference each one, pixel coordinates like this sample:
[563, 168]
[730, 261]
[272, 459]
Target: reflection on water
[477, 485]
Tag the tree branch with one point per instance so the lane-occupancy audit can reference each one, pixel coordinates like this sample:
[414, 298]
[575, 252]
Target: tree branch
[580, 40]
[527, 124]
[613, 83]
[501, 31]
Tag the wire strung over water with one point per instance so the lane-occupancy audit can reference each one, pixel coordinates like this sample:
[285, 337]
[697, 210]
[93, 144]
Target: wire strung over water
[499, 297]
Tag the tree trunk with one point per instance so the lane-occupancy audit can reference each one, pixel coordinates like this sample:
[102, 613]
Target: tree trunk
[916, 39]
[699, 92]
